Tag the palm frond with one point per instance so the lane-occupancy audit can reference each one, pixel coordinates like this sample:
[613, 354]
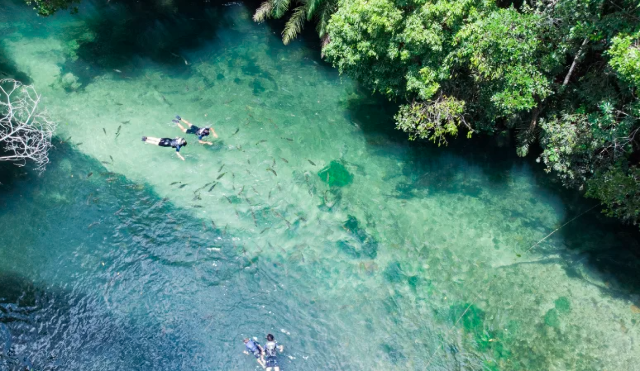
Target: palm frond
[263, 12]
[312, 6]
[326, 10]
[295, 24]
[280, 7]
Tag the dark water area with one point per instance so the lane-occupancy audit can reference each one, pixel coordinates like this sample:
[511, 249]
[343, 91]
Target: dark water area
[311, 217]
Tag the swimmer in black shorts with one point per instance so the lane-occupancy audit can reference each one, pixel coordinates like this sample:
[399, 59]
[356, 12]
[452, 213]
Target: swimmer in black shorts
[176, 143]
[199, 132]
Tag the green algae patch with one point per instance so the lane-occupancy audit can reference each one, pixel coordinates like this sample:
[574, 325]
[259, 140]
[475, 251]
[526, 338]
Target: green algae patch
[472, 320]
[335, 174]
[563, 305]
[552, 319]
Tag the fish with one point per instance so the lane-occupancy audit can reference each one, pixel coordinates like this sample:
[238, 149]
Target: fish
[271, 170]
[201, 188]
[228, 199]
[174, 183]
[284, 159]
[254, 190]
[255, 221]
[247, 199]
[196, 197]
[119, 211]
[213, 186]
[220, 176]
[184, 185]
[274, 163]
[262, 141]
[289, 139]
[118, 71]
[108, 173]
[248, 172]
[110, 179]
[248, 161]
[311, 162]
[92, 224]
[264, 230]
[118, 131]
[111, 158]
[106, 162]
[90, 174]
[197, 206]
[105, 131]
[269, 195]
[125, 122]
[219, 170]
[241, 190]
[237, 214]
[235, 132]
[213, 224]
[78, 144]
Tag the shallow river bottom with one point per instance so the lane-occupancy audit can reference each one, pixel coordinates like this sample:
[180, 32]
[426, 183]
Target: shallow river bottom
[309, 218]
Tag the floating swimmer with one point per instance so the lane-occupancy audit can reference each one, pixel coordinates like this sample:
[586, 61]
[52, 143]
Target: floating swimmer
[199, 132]
[270, 351]
[176, 143]
[253, 347]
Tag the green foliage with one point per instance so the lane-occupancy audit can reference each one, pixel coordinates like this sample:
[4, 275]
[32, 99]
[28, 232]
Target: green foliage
[619, 190]
[625, 57]
[49, 7]
[564, 77]
[432, 120]
[307, 10]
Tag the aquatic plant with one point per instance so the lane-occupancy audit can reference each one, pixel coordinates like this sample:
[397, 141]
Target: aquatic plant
[335, 174]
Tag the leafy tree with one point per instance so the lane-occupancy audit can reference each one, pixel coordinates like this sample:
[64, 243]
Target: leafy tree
[564, 75]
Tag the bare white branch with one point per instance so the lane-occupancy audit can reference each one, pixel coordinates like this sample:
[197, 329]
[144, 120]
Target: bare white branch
[25, 130]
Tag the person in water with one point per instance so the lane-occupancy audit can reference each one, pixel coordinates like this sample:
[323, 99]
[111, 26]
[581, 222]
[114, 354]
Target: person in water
[270, 350]
[200, 132]
[176, 143]
[253, 347]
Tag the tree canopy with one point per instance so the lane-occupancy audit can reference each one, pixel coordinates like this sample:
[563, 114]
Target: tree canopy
[563, 75]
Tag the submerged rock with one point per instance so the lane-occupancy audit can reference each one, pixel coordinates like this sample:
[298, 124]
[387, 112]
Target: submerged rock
[335, 174]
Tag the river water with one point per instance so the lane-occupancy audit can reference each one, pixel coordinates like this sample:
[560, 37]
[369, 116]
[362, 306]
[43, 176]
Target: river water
[310, 217]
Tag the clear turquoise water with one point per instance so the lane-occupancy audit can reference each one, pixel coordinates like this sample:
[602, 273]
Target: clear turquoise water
[368, 269]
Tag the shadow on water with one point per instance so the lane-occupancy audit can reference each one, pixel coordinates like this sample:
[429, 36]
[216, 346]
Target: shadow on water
[9, 70]
[35, 320]
[146, 275]
[126, 34]
[592, 246]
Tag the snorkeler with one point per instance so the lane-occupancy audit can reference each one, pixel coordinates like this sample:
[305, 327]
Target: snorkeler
[200, 132]
[167, 142]
[270, 352]
[256, 349]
